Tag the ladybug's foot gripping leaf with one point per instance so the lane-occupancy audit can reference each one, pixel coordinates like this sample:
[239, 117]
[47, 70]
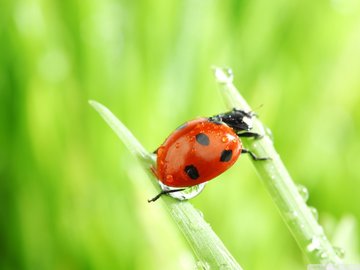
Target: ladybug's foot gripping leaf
[250, 134]
[253, 156]
[164, 192]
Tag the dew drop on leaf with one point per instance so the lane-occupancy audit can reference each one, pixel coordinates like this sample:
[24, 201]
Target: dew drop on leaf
[224, 75]
[269, 133]
[200, 213]
[323, 255]
[314, 244]
[340, 252]
[314, 212]
[304, 193]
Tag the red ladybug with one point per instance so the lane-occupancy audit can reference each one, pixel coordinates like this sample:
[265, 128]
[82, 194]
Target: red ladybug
[201, 149]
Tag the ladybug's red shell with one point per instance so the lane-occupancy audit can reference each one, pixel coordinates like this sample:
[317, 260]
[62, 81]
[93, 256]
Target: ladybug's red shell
[196, 152]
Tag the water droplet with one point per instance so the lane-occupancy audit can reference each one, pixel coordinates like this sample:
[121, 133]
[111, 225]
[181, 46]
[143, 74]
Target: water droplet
[304, 193]
[269, 133]
[169, 178]
[340, 252]
[223, 75]
[293, 215]
[224, 139]
[314, 211]
[200, 213]
[314, 244]
[160, 150]
[323, 255]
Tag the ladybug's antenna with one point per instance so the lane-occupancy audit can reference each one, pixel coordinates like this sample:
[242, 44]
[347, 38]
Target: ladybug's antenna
[258, 107]
[238, 120]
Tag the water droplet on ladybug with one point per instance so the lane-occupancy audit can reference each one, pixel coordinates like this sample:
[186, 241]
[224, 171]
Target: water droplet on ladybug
[160, 150]
[224, 139]
[169, 178]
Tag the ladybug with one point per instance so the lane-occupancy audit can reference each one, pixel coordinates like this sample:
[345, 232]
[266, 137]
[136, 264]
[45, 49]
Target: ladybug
[201, 149]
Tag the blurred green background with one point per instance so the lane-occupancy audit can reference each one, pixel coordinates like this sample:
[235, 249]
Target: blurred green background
[72, 196]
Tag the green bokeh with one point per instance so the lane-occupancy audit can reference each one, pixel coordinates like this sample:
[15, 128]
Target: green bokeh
[71, 195]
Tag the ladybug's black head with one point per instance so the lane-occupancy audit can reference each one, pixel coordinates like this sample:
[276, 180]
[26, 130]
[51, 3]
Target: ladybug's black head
[238, 120]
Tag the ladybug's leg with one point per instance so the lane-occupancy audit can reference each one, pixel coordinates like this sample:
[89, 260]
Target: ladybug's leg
[254, 157]
[164, 192]
[250, 134]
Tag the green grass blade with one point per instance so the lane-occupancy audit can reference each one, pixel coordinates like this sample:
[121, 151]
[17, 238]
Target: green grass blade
[206, 245]
[296, 214]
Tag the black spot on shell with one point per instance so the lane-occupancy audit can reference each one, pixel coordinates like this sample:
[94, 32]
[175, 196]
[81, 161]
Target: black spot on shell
[226, 155]
[182, 126]
[192, 172]
[202, 139]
